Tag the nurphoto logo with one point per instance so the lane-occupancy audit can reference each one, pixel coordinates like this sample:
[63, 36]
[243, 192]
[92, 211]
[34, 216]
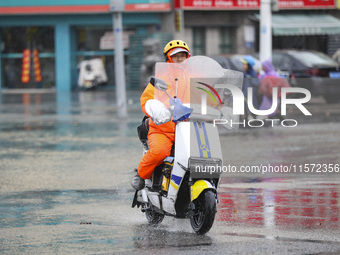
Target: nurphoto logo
[239, 105]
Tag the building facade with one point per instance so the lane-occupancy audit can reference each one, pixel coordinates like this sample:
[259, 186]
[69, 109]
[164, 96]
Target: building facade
[215, 27]
[63, 33]
[66, 32]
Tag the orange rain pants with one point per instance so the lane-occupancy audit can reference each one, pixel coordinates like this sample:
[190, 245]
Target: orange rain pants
[161, 137]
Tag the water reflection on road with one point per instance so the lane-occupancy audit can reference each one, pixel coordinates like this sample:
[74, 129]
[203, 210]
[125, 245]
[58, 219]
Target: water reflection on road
[309, 206]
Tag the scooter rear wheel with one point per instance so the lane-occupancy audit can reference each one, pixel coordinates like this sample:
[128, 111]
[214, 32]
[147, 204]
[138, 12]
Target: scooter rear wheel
[204, 214]
[154, 217]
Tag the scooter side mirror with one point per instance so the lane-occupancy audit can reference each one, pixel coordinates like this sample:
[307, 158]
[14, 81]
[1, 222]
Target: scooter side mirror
[159, 83]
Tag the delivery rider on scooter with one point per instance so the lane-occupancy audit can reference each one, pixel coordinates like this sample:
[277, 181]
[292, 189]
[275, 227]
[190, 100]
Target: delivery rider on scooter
[161, 137]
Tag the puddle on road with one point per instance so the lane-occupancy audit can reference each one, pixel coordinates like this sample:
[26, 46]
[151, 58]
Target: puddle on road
[280, 203]
[103, 220]
[276, 238]
[32, 207]
[155, 237]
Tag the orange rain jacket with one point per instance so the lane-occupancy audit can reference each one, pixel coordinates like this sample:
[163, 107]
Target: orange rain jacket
[161, 137]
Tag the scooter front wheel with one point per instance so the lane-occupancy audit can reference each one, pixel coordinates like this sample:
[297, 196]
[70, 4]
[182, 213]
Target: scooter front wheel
[154, 217]
[204, 213]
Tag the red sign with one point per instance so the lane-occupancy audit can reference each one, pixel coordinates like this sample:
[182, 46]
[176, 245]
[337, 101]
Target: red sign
[220, 4]
[254, 4]
[301, 4]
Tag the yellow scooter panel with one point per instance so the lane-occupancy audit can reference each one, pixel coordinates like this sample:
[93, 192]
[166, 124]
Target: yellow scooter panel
[198, 187]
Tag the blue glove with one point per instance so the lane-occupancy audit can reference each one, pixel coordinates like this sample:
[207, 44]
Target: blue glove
[180, 111]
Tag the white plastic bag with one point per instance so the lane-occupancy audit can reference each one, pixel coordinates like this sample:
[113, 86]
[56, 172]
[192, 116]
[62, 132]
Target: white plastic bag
[157, 111]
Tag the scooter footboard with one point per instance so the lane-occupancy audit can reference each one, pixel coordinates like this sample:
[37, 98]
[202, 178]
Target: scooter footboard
[199, 186]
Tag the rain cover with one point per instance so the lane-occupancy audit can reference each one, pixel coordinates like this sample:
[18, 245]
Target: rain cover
[198, 82]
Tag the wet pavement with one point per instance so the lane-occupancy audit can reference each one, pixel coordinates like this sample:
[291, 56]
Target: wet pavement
[66, 163]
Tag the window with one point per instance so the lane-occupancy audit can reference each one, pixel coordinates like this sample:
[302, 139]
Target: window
[226, 39]
[199, 41]
[98, 42]
[15, 41]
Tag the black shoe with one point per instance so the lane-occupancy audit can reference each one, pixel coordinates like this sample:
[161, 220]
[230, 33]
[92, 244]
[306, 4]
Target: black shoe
[137, 182]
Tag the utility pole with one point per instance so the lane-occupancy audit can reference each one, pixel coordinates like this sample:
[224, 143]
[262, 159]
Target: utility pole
[117, 8]
[265, 30]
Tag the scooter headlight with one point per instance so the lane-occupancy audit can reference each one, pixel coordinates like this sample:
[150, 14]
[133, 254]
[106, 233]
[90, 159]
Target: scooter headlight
[202, 168]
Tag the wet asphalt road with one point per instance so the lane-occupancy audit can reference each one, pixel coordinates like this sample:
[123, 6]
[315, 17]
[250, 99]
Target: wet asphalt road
[66, 163]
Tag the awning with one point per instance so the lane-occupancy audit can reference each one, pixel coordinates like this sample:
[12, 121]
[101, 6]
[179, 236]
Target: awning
[304, 24]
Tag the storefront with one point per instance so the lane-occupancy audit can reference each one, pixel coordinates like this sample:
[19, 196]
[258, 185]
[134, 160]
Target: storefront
[313, 31]
[64, 33]
[216, 27]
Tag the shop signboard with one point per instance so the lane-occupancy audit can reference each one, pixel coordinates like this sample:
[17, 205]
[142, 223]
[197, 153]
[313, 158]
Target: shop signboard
[147, 5]
[107, 40]
[220, 4]
[303, 4]
[78, 6]
[252, 4]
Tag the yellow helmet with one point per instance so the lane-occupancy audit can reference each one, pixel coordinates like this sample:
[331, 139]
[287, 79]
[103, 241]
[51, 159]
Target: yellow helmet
[175, 44]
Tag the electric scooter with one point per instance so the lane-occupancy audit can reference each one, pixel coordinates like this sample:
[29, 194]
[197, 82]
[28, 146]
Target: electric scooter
[185, 184]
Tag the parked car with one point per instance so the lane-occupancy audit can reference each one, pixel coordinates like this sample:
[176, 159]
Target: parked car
[224, 62]
[234, 62]
[312, 70]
